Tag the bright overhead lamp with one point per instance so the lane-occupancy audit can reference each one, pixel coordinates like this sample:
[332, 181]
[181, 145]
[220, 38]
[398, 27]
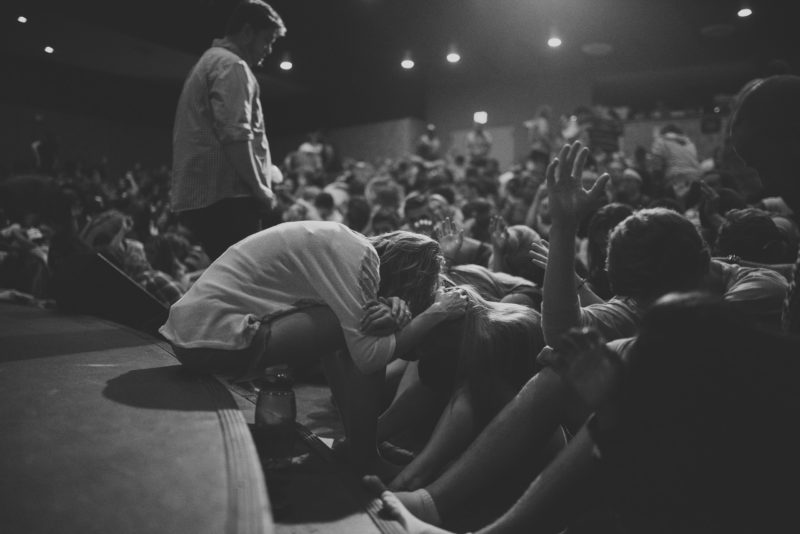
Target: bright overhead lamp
[452, 55]
[22, 19]
[480, 117]
[49, 49]
[286, 62]
[554, 42]
[744, 11]
[407, 63]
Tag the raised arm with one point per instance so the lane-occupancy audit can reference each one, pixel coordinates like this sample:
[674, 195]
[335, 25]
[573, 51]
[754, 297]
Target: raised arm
[568, 203]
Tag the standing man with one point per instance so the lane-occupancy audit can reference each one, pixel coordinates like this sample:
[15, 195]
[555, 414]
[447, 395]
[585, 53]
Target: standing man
[222, 172]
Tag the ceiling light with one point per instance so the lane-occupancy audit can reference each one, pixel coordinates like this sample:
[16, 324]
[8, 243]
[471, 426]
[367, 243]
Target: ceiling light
[286, 62]
[453, 57]
[22, 19]
[407, 62]
[480, 117]
[554, 42]
[744, 12]
[49, 49]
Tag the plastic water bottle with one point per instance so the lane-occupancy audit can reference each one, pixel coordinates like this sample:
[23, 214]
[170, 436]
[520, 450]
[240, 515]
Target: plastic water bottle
[276, 411]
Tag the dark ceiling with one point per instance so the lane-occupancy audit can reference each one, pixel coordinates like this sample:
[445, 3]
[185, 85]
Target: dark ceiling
[130, 57]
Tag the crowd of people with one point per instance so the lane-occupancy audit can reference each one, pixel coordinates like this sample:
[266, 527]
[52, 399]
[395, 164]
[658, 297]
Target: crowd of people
[586, 338]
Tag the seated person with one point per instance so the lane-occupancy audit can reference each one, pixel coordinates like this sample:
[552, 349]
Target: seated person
[298, 291]
[478, 362]
[420, 216]
[686, 437]
[651, 253]
[106, 234]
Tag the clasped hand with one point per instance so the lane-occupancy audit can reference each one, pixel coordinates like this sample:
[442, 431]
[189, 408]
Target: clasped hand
[385, 316]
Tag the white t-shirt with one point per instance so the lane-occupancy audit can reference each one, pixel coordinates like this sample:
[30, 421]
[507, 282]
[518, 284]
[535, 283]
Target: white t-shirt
[278, 271]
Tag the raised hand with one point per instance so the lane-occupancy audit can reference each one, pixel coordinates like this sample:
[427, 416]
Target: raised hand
[499, 235]
[540, 250]
[569, 201]
[450, 238]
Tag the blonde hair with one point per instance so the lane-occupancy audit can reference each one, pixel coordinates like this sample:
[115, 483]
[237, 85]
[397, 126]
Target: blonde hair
[499, 345]
[410, 267]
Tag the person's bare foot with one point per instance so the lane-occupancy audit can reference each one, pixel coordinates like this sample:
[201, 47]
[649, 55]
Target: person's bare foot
[394, 508]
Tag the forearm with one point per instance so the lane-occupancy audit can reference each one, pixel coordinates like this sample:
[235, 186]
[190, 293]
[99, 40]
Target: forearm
[411, 336]
[247, 166]
[560, 306]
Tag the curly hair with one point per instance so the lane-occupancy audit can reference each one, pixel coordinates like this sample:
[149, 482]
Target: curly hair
[410, 267]
[653, 252]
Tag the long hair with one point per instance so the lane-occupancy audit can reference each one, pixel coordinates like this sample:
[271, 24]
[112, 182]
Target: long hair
[498, 349]
[410, 267]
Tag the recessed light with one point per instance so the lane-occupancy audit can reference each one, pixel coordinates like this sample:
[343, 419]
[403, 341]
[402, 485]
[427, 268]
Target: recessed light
[49, 49]
[22, 19]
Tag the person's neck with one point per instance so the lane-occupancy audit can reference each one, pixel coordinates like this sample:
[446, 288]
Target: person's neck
[236, 44]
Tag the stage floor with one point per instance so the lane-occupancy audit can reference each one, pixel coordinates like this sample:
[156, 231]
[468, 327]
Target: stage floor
[103, 431]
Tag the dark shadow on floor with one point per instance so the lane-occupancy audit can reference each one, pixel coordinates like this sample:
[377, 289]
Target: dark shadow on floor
[42, 344]
[164, 388]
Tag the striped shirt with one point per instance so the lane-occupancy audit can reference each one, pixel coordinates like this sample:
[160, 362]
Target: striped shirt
[219, 104]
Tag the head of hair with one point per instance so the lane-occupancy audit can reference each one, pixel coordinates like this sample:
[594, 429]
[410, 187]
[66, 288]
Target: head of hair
[653, 252]
[357, 214]
[258, 15]
[324, 200]
[488, 350]
[497, 344]
[410, 267]
[693, 406]
[605, 219]
[752, 235]
[517, 253]
[671, 128]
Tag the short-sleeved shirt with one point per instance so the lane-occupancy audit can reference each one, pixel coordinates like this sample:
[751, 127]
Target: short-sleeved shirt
[275, 272]
[219, 105]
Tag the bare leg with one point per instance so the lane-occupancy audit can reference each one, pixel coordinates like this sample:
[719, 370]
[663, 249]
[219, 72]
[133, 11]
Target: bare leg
[413, 403]
[358, 399]
[453, 433]
[563, 489]
[301, 337]
[521, 430]
[306, 335]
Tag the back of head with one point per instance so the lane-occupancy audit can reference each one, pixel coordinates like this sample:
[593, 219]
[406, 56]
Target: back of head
[517, 253]
[653, 252]
[496, 346]
[257, 14]
[751, 234]
[769, 106]
[765, 133]
[410, 267]
[605, 219]
[701, 439]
